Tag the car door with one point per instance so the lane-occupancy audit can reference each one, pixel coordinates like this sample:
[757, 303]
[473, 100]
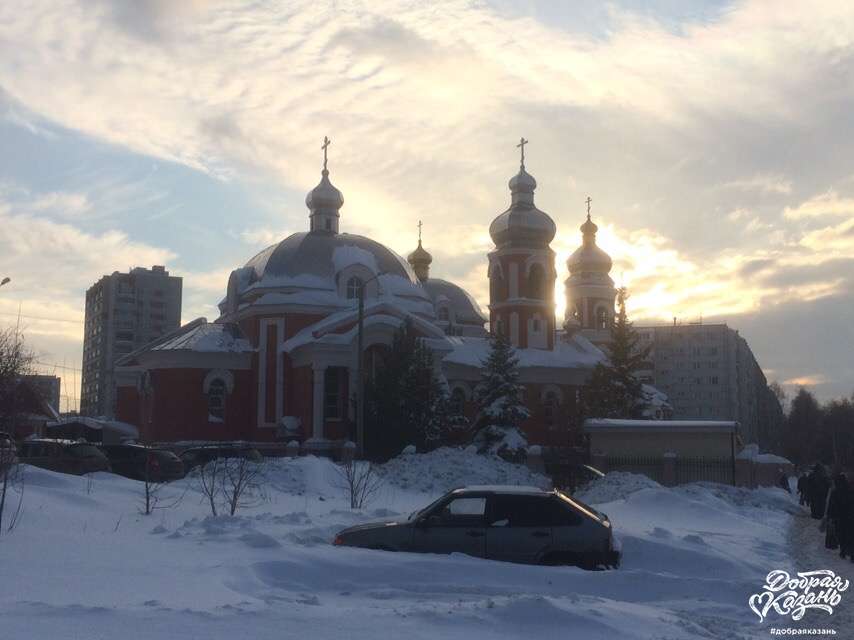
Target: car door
[519, 528]
[454, 526]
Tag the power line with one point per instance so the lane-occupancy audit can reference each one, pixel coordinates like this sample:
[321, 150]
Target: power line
[56, 366]
[15, 315]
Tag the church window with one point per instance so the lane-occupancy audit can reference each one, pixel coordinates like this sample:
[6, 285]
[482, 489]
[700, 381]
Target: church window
[536, 279]
[458, 402]
[601, 318]
[216, 400]
[354, 286]
[328, 224]
[535, 324]
[332, 393]
[443, 314]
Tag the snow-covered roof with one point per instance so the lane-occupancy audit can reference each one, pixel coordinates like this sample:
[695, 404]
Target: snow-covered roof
[502, 488]
[97, 424]
[206, 337]
[612, 424]
[577, 352]
[751, 452]
[377, 312]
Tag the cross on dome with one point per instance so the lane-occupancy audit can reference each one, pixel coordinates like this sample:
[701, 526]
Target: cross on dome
[588, 201]
[325, 146]
[521, 145]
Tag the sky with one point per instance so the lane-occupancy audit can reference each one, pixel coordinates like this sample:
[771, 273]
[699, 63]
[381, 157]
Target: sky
[714, 138]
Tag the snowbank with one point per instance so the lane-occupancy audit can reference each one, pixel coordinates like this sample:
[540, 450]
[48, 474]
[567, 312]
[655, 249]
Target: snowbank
[615, 486]
[447, 468]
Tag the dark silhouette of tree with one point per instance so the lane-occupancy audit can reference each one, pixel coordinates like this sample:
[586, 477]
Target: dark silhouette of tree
[613, 389]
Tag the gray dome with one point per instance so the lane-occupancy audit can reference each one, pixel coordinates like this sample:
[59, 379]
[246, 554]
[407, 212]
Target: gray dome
[314, 254]
[465, 307]
[589, 257]
[522, 224]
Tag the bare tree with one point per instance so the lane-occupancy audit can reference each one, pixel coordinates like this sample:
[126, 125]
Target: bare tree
[16, 360]
[11, 482]
[152, 497]
[359, 480]
[242, 484]
[209, 477]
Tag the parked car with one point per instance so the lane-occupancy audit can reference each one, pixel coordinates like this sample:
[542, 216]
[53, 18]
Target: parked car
[8, 451]
[200, 456]
[65, 456]
[135, 461]
[515, 524]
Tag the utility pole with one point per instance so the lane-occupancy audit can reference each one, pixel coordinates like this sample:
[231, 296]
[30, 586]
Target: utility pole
[360, 373]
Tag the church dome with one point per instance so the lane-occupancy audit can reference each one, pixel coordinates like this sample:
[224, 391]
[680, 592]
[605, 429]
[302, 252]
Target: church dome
[522, 224]
[465, 308]
[310, 268]
[589, 257]
[324, 196]
[420, 260]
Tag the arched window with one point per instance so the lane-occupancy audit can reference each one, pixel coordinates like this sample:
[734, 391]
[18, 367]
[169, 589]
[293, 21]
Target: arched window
[601, 318]
[499, 327]
[443, 314]
[496, 284]
[354, 286]
[535, 324]
[550, 405]
[536, 280]
[458, 402]
[217, 391]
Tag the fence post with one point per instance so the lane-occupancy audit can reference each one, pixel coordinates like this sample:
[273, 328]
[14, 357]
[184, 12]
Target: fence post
[668, 471]
[292, 449]
[600, 461]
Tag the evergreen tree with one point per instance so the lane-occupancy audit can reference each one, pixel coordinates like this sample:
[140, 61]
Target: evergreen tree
[613, 390]
[499, 401]
[405, 401]
[802, 433]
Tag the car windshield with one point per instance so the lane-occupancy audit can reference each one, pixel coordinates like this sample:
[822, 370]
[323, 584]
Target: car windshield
[580, 506]
[418, 512]
[84, 451]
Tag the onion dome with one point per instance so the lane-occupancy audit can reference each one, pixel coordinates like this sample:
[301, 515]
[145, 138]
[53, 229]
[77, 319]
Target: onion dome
[420, 260]
[589, 257]
[324, 200]
[522, 224]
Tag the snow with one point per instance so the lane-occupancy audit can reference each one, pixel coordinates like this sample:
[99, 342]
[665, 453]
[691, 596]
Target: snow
[751, 452]
[578, 352]
[608, 424]
[83, 563]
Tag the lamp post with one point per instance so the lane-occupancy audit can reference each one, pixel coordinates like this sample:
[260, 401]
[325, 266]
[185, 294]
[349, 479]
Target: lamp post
[360, 377]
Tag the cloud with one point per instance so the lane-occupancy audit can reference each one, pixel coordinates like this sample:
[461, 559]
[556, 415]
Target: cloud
[826, 204]
[762, 183]
[712, 158]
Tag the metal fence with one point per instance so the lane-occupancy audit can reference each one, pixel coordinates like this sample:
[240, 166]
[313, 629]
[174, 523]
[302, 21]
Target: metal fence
[683, 470]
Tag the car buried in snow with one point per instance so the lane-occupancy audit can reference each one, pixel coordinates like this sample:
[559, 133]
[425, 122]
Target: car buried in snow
[514, 524]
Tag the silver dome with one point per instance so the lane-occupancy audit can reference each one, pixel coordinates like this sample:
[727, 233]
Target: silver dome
[464, 306]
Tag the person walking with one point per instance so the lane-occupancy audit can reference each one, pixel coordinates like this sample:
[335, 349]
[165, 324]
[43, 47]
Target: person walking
[783, 481]
[818, 488]
[838, 504]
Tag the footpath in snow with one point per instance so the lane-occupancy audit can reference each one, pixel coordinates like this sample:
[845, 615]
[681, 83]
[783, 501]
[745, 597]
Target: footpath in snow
[83, 563]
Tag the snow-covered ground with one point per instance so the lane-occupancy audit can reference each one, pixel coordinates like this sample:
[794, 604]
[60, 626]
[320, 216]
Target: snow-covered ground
[83, 563]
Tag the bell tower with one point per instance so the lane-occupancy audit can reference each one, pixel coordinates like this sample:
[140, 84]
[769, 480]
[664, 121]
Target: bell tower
[521, 267]
[590, 291]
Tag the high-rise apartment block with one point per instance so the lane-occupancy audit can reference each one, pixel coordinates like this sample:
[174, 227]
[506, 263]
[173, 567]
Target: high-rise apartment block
[124, 311]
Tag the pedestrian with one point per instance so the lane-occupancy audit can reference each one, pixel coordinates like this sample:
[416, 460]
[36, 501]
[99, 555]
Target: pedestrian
[818, 488]
[783, 482]
[839, 515]
[803, 484]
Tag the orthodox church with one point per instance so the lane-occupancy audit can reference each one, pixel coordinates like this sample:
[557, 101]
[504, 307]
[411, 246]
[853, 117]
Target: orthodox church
[282, 360]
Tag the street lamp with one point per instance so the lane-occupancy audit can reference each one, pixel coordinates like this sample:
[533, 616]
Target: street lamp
[360, 377]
